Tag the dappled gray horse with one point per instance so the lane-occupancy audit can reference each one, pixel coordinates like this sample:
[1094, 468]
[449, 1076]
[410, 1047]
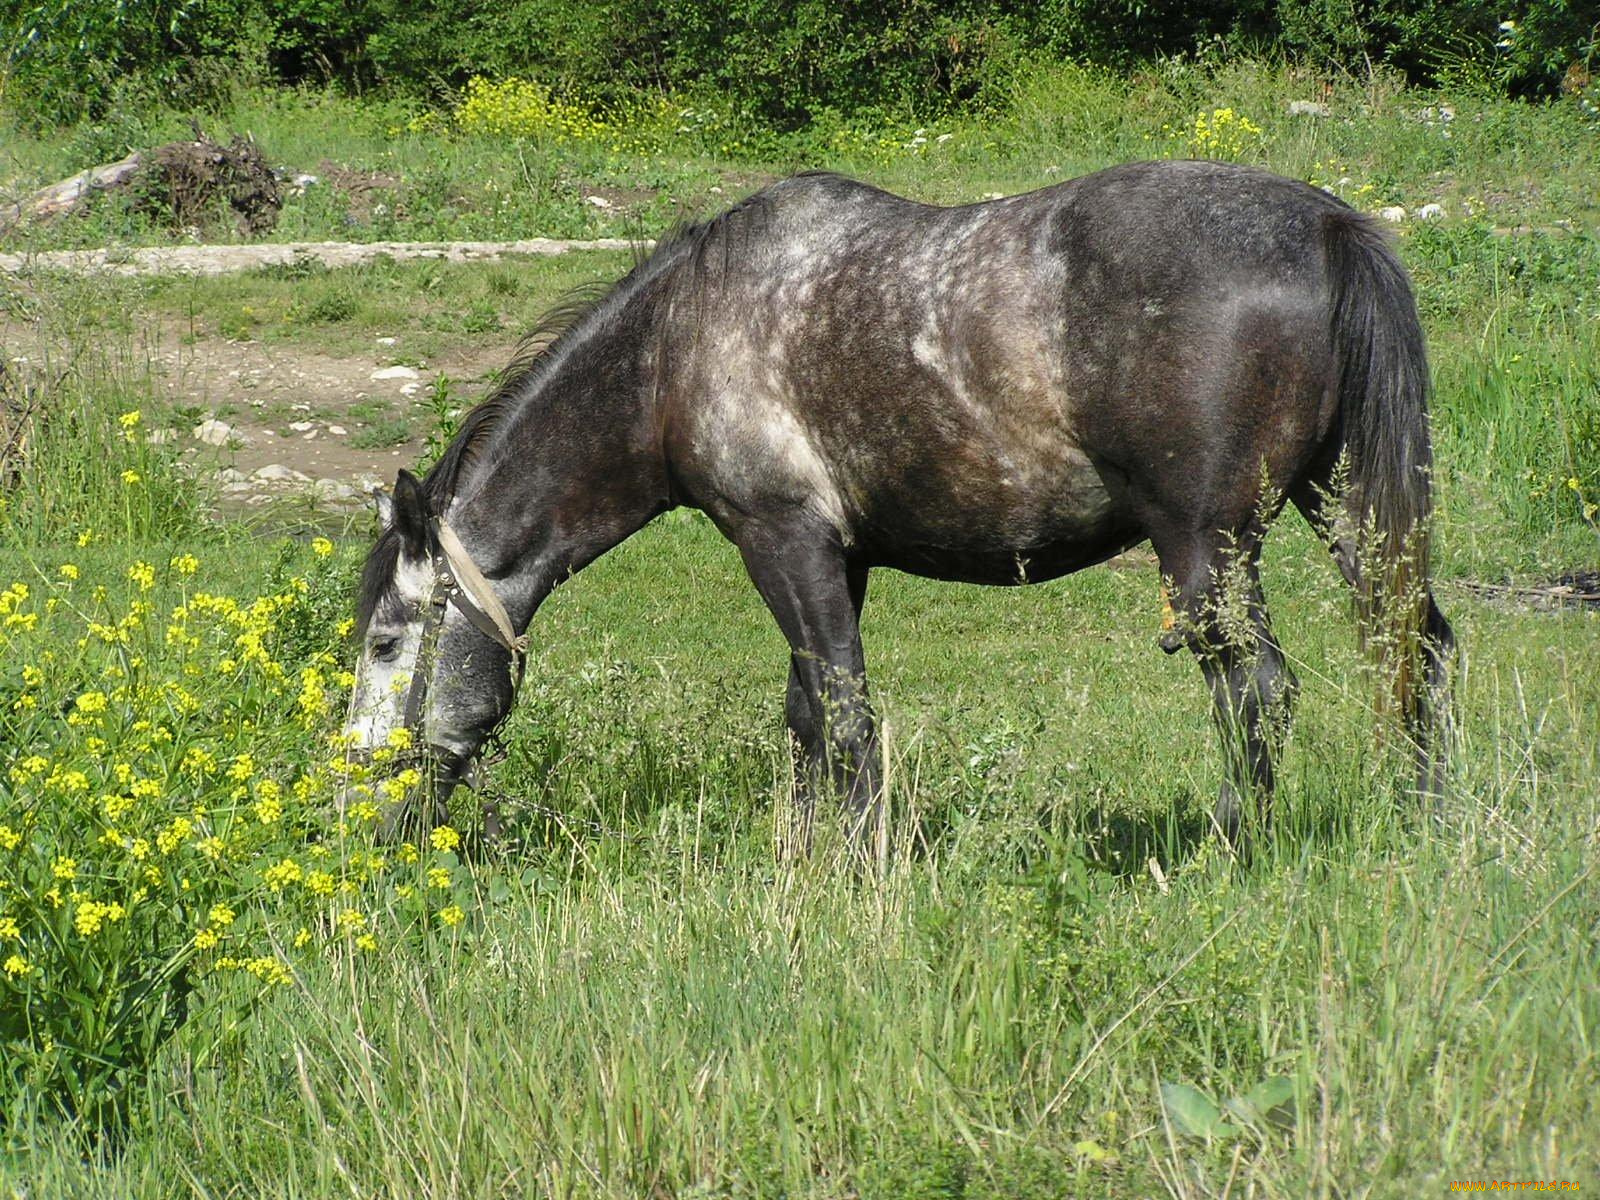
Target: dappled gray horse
[998, 393]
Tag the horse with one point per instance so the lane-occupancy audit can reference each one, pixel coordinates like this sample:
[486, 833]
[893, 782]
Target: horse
[997, 393]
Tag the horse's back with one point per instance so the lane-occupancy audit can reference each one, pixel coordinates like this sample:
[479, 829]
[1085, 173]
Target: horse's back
[983, 391]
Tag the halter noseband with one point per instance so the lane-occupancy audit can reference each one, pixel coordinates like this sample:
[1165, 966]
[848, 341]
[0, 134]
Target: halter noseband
[457, 581]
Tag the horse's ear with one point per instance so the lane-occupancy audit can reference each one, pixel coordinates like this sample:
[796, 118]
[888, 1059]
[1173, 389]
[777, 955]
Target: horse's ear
[409, 513]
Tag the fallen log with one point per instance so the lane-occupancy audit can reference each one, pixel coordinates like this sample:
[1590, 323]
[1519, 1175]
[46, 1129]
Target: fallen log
[181, 184]
[70, 193]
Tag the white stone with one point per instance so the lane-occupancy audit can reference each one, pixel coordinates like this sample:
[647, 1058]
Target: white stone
[387, 341]
[302, 426]
[1430, 212]
[230, 475]
[1307, 108]
[278, 473]
[597, 201]
[306, 437]
[337, 430]
[410, 389]
[218, 433]
[1393, 213]
[395, 373]
[333, 489]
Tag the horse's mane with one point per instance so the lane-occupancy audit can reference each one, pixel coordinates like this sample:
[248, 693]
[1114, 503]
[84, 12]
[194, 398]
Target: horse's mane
[681, 263]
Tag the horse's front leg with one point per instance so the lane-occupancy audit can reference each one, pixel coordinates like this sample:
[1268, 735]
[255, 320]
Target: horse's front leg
[815, 595]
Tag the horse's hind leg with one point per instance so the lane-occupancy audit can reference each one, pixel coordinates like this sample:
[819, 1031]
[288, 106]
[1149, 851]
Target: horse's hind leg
[801, 573]
[1427, 726]
[1221, 616]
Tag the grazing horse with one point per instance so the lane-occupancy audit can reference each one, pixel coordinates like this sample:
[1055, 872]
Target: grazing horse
[998, 393]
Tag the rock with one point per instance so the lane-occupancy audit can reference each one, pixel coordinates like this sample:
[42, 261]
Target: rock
[334, 489]
[1393, 213]
[410, 389]
[1308, 108]
[161, 437]
[597, 201]
[218, 433]
[1430, 212]
[307, 437]
[337, 430]
[230, 475]
[278, 473]
[387, 341]
[395, 373]
[237, 487]
[302, 426]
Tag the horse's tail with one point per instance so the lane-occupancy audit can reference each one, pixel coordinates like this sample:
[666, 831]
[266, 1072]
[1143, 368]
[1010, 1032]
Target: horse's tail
[1383, 410]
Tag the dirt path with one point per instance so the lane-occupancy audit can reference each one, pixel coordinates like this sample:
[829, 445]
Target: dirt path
[277, 423]
[219, 260]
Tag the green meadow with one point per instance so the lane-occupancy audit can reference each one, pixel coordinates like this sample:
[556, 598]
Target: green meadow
[1051, 981]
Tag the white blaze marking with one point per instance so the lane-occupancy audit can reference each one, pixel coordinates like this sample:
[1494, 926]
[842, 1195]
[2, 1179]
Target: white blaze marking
[377, 702]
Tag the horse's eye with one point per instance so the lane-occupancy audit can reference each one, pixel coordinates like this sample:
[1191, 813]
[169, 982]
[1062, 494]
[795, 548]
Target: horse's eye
[384, 649]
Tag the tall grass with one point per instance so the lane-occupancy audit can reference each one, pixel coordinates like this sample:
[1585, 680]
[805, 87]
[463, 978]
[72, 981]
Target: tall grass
[1052, 983]
[645, 1000]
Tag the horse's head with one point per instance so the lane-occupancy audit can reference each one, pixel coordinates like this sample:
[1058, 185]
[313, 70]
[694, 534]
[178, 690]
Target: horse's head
[439, 657]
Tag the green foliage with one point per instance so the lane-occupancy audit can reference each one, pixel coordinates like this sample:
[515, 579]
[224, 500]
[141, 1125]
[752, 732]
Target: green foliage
[90, 471]
[783, 64]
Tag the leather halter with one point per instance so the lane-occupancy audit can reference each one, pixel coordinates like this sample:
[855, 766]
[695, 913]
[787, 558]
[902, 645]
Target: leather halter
[457, 581]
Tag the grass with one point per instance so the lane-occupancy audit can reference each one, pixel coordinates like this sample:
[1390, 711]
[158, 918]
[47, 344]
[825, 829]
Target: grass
[382, 174]
[645, 1000]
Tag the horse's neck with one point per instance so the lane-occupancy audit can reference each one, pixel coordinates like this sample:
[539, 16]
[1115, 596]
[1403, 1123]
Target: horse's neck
[573, 472]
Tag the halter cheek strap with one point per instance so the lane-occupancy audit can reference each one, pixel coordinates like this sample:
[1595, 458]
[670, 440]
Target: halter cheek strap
[457, 581]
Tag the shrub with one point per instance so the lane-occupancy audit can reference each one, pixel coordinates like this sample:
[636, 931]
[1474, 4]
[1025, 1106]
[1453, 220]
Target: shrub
[167, 817]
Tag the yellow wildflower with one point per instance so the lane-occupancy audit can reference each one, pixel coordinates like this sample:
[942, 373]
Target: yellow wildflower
[17, 967]
[351, 919]
[68, 570]
[452, 914]
[321, 547]
[444, 838]
[130, 476]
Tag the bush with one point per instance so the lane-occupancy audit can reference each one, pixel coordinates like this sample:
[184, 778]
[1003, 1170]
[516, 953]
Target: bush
[779, 61]
[170, 832]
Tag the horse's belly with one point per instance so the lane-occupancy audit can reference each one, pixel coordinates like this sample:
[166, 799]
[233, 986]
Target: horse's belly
[1002, 522]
